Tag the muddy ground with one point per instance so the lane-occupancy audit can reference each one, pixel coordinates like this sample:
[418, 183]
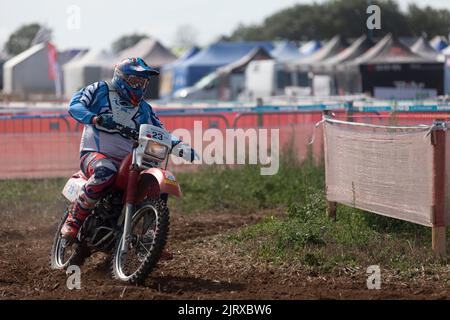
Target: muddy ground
[205, 266]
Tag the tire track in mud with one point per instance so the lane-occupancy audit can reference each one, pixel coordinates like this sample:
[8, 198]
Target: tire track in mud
[25, 246]
[205, 266]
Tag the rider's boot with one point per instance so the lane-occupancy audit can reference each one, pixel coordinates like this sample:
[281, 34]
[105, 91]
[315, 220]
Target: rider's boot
[74, 221]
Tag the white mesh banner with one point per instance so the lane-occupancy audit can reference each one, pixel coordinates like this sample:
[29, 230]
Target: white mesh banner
[382, 170]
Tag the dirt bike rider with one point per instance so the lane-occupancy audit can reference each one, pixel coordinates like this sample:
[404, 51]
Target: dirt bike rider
[99, 106]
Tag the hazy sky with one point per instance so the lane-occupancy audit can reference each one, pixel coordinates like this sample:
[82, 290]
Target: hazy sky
[102, 21]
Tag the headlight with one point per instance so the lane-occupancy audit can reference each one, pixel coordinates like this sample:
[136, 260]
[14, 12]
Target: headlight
[156, 150]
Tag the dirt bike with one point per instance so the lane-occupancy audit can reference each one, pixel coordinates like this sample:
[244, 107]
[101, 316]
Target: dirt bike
[130, 223]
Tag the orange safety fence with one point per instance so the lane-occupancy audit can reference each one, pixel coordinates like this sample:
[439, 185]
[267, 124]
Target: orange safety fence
[47, 145]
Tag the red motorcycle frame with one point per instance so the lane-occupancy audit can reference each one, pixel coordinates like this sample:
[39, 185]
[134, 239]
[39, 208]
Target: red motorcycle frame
[142, 187]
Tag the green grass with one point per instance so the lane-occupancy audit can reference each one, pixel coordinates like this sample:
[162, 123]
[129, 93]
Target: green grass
[307, 237]
[244, 189]
[16, 194]
[303, 234]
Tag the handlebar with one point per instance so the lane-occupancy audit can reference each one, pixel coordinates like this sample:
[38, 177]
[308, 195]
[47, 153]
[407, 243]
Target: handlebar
[126, 131]
[134, 134]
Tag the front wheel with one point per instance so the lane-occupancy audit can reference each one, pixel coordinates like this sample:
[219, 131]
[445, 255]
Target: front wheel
[64, 254]
[148, 236]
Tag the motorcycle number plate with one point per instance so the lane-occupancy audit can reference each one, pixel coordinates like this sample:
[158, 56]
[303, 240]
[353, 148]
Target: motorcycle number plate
[149, 132]
[73, 188]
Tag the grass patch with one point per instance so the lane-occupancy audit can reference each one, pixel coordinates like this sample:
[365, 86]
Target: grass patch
[244, 189]
[16, 194]
[306, 236]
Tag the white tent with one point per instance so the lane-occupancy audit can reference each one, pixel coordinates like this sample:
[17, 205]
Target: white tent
[423, 48]
[439, 43]
[446, 51]
[27, 73]
[3, 59]
[87, 68]
[332, 48]
[151, 50]
[155, 55]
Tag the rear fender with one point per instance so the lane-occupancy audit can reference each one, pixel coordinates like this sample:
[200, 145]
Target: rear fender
[73, 186]
[154, 181]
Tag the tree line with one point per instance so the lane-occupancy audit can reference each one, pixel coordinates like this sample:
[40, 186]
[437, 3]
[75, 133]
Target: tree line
[300, 22]
[347, 18]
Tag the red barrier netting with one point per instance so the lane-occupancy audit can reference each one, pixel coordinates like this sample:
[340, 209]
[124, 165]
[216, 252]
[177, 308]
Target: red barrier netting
[32, 155]
[48, 147]
[56, 154]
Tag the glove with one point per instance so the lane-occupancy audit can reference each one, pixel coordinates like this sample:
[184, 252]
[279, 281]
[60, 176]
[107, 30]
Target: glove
[186, 152]
[106, 121]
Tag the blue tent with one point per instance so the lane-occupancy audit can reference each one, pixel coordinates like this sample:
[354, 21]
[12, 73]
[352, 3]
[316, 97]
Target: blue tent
[185, 56]
[310, 47]
[285, 51]
[208, 60]
[166, 78]
[439, 43]
[188, 54]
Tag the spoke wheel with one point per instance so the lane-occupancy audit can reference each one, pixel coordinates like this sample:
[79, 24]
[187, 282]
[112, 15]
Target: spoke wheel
[149, 230]
[63, 254]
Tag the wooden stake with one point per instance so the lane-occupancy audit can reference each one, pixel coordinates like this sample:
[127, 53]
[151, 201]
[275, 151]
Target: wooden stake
[439, 240]
[331, 210]
[438, 228]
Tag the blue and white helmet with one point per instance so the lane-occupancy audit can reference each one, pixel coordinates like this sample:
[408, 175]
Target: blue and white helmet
[131, 78]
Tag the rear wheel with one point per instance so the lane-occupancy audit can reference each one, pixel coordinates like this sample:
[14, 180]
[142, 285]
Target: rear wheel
[64, 254]
[149, 231]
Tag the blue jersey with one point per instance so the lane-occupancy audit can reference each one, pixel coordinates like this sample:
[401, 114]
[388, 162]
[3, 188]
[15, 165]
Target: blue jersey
[101, 98]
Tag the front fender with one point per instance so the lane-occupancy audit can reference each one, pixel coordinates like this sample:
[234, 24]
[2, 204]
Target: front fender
[154, 181]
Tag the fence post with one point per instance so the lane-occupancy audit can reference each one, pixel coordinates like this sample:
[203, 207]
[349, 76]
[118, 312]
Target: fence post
[331, 205]
[438, 228]
[331, 210]
[350, 111]
[259, 115]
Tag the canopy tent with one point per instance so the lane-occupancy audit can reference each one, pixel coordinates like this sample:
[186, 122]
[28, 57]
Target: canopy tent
[151, 50]
[232, 76]
[3, 59]
[166, 76]
[423, 48]
[340, 81]
[446, 51]
[285, 51]
[310, 47]
[356, 49]
[389, 50]
[301, 70]
[87, 68]
[155, 55]
[206, 61]
[239, 66]
[227, 82]
[28, 72]
[439, 43]
[332, 48]
[186, 55]
[391, 69]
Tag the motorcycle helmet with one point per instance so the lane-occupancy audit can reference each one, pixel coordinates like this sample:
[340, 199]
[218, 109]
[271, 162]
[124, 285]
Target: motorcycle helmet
[131, 78]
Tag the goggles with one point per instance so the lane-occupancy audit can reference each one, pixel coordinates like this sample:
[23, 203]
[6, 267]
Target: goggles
[136, 82]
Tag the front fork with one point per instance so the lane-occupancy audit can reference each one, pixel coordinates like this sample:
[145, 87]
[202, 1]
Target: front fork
[130, 202]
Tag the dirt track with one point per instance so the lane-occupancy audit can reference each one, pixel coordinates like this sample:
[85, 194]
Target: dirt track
[204, 267]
